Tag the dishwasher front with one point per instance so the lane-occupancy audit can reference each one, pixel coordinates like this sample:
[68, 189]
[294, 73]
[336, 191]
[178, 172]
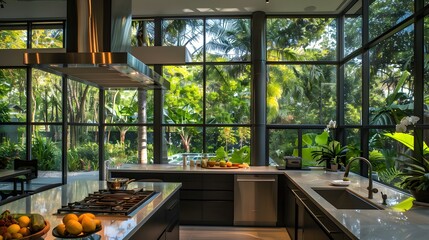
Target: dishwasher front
[255, 200]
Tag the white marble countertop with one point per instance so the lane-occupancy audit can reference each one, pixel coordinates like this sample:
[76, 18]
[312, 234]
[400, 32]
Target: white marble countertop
[165, 168]
[366, 224]
[47, 202]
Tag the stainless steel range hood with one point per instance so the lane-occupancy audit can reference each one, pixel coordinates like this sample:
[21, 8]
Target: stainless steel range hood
[98, 48]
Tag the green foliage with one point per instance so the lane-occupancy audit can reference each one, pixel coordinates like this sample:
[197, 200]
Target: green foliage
[241, 155]
[332, 152]
[83, 157]
[45, 151]
[416, 173]
[391, 176]
[4, 112]
[9, 151]
[221, 154]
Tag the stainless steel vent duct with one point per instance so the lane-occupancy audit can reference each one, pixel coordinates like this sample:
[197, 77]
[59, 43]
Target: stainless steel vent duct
[98, 45]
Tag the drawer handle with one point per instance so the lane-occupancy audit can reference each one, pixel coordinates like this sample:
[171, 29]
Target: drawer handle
[255, 180]
[172, 205]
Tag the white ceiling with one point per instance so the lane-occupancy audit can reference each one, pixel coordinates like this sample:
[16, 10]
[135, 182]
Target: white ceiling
[231, 7]
[33, 9]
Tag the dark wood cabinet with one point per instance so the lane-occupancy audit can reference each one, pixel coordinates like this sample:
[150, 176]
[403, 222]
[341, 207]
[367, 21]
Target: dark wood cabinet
[205, 199]
[164, 223]
[304, 220]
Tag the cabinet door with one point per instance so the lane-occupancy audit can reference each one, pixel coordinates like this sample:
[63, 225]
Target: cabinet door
[191, 212]
[311, 229]
[290, 213]
[218, 213]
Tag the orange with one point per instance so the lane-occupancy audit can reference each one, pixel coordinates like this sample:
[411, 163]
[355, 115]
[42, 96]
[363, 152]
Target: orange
[14, 228]
[17, 235]
[70, 216]
[24, 231]
[61, 229]
[88, 224]
[24, 221]
[97, 222]
[90, 215]
[73, 227]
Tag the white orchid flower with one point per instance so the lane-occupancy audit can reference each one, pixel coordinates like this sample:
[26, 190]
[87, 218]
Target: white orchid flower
[409, 120]
[401, 127]
[414, 119]
[332, 124]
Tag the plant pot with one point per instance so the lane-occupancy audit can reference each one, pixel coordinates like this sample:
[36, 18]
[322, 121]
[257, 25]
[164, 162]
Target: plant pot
[334, 167]
[421, 196]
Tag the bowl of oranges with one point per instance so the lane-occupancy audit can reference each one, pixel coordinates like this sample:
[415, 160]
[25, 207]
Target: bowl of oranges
[22, 226]
[77, 226]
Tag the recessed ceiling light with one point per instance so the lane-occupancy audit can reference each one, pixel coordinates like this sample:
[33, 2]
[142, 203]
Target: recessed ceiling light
[310, 8]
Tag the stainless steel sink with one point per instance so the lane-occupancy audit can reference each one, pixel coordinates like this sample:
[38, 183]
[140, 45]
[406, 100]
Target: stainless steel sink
[342, 198]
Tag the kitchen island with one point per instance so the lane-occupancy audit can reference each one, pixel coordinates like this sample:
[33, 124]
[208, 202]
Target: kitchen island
[215, 186]
[153, 212]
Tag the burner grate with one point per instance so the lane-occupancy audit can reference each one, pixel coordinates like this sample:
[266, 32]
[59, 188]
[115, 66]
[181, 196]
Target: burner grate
[118, 202]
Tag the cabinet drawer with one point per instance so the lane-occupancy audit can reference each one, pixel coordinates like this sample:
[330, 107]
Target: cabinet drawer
[218, 182]
[218, 195]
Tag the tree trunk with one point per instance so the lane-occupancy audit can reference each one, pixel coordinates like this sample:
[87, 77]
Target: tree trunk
[142, 130]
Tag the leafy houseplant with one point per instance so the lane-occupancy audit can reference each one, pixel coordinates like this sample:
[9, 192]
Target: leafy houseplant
[415, 170]
[330, 152]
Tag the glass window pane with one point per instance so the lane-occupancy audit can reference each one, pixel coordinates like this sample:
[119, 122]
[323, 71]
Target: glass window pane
[13, 95]
[122, 106]
[47, 35]
[181, 140]
[228, 40]
[384, 14]
[301, 39]
[129, 144]
[309, 144]
[82, 103]
[353, 91]
[142, 33]
[184, 101]
[12, 144]
[283, 142]
[47, 96]
[426, 67]
[82, 151]
[228, 94]
[301, 94]
[229, 139]
[391, 92]
[46, 148]
[185, 32]
[13, 36]
[384, 152]
[352, 33]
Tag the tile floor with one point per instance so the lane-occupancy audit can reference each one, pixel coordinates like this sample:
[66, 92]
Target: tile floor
[232, 233]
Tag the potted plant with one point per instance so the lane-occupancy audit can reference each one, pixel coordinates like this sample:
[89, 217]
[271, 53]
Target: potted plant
[415, 171]
[333, 154]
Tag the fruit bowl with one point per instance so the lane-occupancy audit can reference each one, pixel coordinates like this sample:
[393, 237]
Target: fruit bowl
[70, 236]
[37, 235]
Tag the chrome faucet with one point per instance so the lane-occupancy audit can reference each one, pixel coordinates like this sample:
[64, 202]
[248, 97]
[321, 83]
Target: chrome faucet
[370, 189]
[107, 164]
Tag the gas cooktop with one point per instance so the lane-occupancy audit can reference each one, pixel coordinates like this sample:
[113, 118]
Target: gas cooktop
[117, 202]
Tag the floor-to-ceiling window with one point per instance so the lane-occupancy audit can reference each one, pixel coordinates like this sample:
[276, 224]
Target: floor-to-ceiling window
[302, 85]
[363, 77]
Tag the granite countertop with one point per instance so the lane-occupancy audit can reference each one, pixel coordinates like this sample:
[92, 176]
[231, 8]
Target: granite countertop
[47, 202]
[165, 168]
[388, 223]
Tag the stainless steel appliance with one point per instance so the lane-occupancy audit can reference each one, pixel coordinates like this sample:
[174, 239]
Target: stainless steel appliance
[255, 200]
[118, 202]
